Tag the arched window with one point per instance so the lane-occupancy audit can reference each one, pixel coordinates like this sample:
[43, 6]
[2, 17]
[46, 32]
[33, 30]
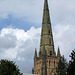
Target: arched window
[50, 53]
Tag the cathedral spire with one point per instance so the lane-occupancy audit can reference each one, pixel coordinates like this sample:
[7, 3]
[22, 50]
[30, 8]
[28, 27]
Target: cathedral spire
[46, 32]
[47, 61]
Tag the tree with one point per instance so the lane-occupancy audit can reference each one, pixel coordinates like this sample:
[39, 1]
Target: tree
[9, 68]
[71, 68]
[62, 67]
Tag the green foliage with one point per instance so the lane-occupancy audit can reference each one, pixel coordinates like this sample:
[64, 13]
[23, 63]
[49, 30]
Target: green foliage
[71, 68]
[62, 67]
[8, 68]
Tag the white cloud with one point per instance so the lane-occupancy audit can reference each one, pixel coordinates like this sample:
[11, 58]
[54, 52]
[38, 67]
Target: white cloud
[19, 46]
[3, 15]
[24, 9]
[64, 38]
[12, 40]
[62, 11]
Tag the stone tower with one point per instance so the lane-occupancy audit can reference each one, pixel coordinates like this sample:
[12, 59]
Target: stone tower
[46, 62]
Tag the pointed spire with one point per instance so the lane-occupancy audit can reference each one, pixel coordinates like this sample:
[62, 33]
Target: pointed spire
[46, 16]
[35, 54]
[46, 32]
[58, 53]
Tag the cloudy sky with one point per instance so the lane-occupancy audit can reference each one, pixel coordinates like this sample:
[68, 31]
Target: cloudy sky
[20, 28]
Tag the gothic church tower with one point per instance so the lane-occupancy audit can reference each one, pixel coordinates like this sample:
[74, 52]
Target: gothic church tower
[46, 62]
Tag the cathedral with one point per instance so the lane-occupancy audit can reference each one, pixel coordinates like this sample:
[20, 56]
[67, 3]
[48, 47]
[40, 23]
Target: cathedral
[47, 60]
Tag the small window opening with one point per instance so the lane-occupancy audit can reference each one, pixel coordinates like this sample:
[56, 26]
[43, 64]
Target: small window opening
[50, 52]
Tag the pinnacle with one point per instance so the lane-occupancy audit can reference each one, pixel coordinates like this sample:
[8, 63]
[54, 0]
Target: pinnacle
[58, 54]
[35, 53]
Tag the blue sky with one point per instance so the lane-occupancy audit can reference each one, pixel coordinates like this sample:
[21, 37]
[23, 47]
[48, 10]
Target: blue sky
[20, 29]
[17, 23]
